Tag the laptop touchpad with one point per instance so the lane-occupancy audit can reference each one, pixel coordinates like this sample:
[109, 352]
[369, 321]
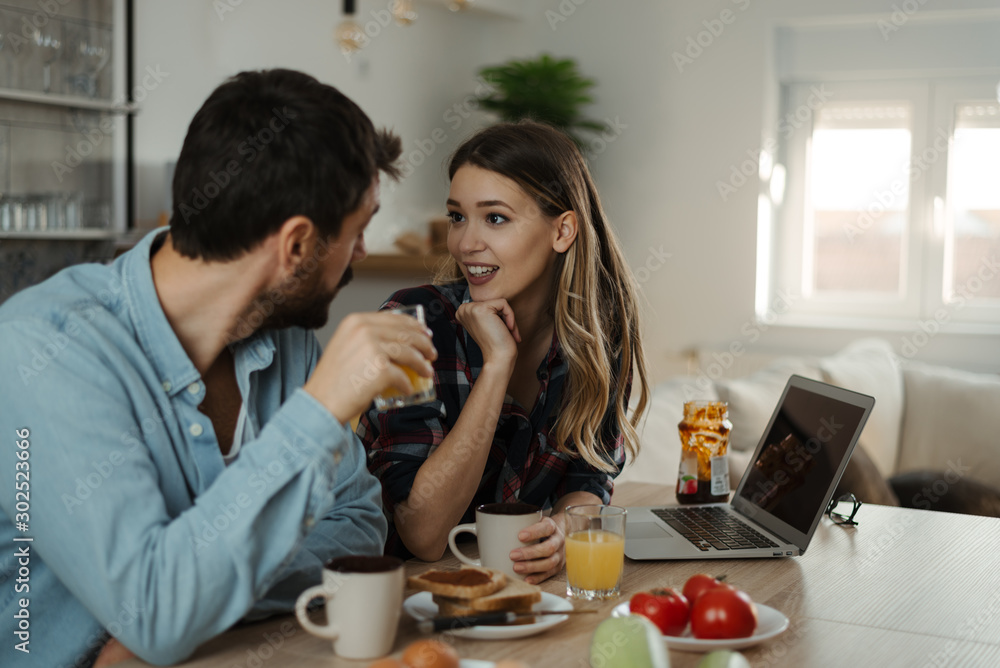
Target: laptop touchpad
[645, 530]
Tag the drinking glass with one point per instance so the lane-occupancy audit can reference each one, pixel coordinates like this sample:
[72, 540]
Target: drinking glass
[423, 388]
[88, 53]
[595, 551]
[42, 55]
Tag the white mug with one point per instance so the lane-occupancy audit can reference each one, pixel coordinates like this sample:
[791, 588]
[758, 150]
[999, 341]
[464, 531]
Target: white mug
[496, 529]
[364, 597]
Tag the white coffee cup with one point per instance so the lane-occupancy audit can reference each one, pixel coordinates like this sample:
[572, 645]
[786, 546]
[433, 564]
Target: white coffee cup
[364, 597]
[496, 529]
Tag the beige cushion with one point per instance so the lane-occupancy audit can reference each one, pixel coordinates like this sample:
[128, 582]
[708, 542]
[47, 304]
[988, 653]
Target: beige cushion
[951, 417]
[753, 399]
[869, 366]
[660, 444]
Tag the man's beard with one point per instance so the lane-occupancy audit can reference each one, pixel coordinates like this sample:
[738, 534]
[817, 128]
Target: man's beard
[307, 307]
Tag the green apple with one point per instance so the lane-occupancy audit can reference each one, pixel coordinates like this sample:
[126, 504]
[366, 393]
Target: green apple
[724, 658]
[628, 642]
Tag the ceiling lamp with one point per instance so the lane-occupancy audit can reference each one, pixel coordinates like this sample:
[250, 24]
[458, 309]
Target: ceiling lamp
[349, 35]
[402, 12]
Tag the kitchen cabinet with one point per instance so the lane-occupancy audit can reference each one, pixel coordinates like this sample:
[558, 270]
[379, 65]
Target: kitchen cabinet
[64, 134]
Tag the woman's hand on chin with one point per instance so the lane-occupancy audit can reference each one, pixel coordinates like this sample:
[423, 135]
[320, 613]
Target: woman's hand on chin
[491, 324]
[545, 558]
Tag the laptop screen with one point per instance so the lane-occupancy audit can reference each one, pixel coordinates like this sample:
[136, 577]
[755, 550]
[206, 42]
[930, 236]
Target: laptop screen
[801, 457]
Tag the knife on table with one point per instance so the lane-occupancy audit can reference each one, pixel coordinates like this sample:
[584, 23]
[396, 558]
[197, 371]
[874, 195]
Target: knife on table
[489, 619]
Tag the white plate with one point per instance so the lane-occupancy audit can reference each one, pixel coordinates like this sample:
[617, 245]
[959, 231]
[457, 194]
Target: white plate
[422, 606]
[770, 623]
[475, 663]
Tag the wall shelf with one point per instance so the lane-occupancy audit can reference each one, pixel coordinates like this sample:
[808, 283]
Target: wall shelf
[62, 235]
[66, 101]
[397, 263]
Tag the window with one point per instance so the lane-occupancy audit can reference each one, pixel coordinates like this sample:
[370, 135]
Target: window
[973, 234]
[891, 203]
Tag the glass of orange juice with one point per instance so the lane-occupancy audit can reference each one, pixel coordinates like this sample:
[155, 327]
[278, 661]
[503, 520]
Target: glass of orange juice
[423, 388]
[595, 551]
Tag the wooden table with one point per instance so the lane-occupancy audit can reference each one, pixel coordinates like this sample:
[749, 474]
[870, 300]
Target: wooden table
[904, 588]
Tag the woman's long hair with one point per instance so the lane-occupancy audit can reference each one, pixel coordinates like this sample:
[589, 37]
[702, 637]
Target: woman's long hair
[594, 302]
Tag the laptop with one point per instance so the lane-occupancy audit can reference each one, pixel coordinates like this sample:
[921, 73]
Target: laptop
[783, 493]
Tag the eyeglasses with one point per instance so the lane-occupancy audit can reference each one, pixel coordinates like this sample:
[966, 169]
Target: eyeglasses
[840, 518]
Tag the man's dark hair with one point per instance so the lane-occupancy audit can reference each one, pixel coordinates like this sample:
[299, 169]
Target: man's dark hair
[267, 146]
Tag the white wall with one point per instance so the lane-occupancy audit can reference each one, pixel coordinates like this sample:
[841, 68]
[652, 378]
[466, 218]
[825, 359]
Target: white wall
[681, 131]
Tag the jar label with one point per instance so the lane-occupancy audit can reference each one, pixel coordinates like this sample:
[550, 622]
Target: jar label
[687, 476]
[720, 475]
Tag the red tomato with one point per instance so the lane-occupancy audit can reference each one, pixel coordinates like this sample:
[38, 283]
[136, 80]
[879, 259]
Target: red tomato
[667, 608]
[723, 612]
[697, 584]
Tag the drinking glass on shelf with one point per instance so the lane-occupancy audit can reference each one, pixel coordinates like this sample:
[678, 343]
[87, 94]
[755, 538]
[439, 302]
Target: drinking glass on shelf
[595, 551]
[12, 214]
[54, 213]
[7, 56]
[71, 210]
[6, 224]
[31, 211]
[423, 388]
[39, 56]
[96, 214]
[87, 54]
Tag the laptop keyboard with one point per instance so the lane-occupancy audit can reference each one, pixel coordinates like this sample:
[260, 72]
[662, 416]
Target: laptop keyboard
[712, 527]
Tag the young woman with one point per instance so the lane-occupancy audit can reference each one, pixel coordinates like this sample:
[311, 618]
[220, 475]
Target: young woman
[536, 325]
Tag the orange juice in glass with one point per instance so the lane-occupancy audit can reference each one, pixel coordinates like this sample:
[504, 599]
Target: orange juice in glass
[595, 551]
[423, 388]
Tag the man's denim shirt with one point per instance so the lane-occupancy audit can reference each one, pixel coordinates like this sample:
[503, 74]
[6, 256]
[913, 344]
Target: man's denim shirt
[131, 523]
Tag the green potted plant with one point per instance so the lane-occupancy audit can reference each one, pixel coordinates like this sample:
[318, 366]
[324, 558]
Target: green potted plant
[544, 89]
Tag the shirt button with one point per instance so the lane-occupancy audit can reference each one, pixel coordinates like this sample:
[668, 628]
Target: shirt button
[193, 388]
[195, 429]
[310, 522]
[337, 456]
[166, 385]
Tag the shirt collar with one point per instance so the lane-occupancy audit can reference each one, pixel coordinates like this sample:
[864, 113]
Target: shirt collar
[155, 335]
[174, 368]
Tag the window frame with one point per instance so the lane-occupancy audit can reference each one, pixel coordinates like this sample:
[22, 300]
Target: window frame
[932, 103]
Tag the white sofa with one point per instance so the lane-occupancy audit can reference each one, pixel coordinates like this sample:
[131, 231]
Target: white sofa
[926, 418]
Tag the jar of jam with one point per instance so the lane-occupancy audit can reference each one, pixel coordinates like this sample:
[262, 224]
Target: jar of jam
[703, 475]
